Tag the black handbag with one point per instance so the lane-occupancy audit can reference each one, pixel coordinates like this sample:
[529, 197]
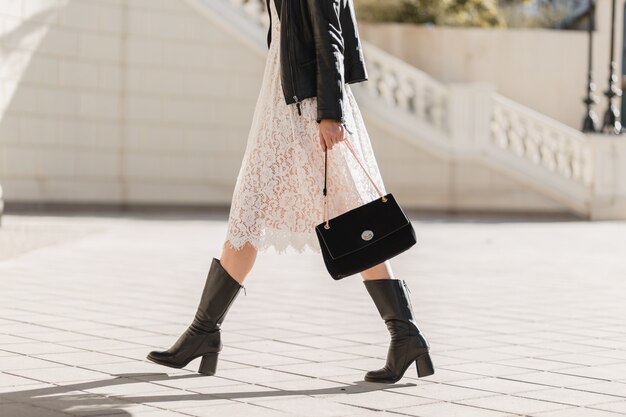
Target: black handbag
[364, 236]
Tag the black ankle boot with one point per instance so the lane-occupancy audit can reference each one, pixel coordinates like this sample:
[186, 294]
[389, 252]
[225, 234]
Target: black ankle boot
[202, 338]
[408, 345]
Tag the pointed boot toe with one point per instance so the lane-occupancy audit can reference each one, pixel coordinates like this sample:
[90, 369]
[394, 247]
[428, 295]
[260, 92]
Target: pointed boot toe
[159, 356]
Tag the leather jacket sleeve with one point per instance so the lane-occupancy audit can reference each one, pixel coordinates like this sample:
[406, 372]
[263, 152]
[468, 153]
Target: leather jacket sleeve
[329, 48]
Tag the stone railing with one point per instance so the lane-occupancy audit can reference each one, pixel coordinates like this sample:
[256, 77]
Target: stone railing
[473, 121]
[403, 87]
[392, 81]
[466, 120]
[395, 83]
[541, 141]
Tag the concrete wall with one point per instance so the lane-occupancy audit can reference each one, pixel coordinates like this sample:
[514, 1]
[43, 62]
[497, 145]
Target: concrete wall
[121, 101]
[542, 69]
[148, 101]
[422, 180]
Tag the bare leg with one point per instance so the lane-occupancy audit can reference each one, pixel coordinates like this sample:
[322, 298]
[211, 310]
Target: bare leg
[380, 271]
[238, 262]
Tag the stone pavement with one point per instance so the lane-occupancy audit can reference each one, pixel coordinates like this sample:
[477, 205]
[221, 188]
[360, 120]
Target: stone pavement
[524, 317]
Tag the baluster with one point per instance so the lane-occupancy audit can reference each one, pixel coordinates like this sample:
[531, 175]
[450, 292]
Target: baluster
[549, 151]
[440, 111]
[418, 101]
[406, 94]
[499, 127]
[388, 87]
[516, 136]
[566, 156]
[371, 86]
[533, 138]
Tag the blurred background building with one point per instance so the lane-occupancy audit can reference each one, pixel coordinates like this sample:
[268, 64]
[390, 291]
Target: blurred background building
[473, 105]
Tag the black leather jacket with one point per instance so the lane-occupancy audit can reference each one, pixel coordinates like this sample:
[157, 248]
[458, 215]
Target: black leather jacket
[320, 50]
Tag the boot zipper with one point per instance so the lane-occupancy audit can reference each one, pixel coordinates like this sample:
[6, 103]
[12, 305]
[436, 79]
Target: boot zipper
[293, 84]
[231, 301]
[406, 286]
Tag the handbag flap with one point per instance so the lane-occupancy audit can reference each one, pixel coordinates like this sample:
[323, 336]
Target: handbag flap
[362, 226]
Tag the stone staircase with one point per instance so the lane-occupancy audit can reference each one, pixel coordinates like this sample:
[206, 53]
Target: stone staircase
[586, 174]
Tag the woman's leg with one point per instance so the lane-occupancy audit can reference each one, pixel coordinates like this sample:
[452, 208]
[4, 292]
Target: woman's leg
[380, 271]
[203, 336]
[238, 262]
[408, 344]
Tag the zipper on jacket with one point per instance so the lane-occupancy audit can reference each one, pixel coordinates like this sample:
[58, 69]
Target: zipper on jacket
[297, 105]
[293, 84]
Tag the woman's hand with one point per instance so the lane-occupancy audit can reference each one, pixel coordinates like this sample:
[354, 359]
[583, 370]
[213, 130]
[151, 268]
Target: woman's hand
[331, 133]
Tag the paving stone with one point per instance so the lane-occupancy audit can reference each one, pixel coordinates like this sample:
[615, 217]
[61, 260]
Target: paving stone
[539, 364]
[575, 412]
[580, 359]
[176, 400]
[516, 405]
[510, 334]
[487, 369]
[18, 362]
[568, 396]
[58, 374]
[447, 392]
[9, 380]
[123, 366]
[313, 369]
[552, 379]
[446, 409]
[27, 410]
[613, 406]
[126, 386]
[611, 372]
[317, 355]
[499, 385]
[261, 359]
[617, 389]
[81, 358]
[237, 410]
[82, 405]
[37, 348]
[381, 400]
[314, 407]
[15, 391]
[446, 375]
[257, 375]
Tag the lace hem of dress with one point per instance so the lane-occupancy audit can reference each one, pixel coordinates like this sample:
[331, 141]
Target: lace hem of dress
[281, 240]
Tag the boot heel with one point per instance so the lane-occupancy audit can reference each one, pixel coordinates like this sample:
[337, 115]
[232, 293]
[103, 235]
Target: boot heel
[208, 364]
[424, 365]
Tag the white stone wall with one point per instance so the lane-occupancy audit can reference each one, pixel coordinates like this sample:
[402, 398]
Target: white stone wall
[422, 180]
[149, 101]
[121, 101]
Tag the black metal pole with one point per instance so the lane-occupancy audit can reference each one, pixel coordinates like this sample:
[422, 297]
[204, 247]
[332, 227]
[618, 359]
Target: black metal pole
[612, 123]
[590, 123]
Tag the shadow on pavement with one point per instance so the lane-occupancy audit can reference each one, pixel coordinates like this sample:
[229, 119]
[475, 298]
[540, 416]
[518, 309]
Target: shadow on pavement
[73, 398]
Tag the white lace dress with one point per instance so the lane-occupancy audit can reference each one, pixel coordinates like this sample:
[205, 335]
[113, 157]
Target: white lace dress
[278, 200]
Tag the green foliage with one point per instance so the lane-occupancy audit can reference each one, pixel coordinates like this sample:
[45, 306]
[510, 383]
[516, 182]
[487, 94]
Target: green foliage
[549, 13]
[482, 13]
